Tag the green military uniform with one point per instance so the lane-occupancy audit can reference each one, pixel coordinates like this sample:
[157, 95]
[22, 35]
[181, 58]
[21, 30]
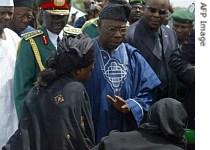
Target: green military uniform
[34, 50]
[27, 68]
[91, 28]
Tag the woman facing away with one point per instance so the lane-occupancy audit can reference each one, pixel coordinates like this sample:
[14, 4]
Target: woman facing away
[57, 113]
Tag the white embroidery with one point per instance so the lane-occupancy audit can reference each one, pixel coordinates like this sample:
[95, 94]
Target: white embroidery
[114, 72]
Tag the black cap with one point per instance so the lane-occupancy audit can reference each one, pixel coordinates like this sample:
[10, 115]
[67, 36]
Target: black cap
[116, 10]
[23, 3]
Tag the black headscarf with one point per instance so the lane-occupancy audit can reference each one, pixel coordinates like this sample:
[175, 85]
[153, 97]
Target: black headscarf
[167, 116]
[72, 54]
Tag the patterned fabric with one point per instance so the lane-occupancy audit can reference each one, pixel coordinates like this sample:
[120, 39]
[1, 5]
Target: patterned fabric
[125, 73]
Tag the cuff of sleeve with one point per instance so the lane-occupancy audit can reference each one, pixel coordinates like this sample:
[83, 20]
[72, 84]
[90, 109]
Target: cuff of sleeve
[136, 110]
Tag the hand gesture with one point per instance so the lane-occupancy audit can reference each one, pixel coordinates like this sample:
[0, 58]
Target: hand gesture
[119, 103]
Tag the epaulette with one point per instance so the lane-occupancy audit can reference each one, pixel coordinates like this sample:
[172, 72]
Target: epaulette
[32, 34]
[69, 30]
[91, 21]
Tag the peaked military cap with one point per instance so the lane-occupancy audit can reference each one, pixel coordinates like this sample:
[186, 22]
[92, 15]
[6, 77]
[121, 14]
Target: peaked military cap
[183, 15]
[69, 30]
[142, 2]
[23, 3]
[56, 7]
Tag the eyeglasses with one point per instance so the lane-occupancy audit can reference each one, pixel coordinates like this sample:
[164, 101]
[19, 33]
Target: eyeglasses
[122, 30]
[162, 12]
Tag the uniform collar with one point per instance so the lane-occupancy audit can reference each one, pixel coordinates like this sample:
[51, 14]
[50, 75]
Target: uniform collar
[53, 37]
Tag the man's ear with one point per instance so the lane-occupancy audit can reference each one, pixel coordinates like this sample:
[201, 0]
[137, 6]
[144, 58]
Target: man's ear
[77, 72]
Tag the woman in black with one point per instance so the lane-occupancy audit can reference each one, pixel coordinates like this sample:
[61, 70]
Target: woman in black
[57, 113]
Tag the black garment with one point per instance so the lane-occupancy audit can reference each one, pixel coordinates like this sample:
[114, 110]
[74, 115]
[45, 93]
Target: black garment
[143, 38]
[183, 64]
[135, 140]
[162, 131]
[55, 118]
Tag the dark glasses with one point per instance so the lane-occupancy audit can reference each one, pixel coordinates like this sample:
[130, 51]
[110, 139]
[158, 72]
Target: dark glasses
[161, 12]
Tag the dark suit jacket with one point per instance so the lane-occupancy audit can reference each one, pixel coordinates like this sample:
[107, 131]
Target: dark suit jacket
[140, 36]
[182, 62]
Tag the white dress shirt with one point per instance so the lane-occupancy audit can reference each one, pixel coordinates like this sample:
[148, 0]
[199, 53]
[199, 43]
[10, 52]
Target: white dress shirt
[53, 38]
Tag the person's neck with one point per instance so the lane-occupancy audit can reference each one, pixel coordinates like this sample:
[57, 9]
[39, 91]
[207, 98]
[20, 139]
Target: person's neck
[104, 46]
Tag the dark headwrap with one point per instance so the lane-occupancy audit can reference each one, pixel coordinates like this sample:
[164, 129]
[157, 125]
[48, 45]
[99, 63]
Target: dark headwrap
[72, 54]
[115, 10]
[167, 116]
[23, 3]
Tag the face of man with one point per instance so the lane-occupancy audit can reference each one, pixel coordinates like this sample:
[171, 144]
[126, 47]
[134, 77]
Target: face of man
[182, 30]
[112, 33]
[6, 15]
[22, 18]
[54, 23]
[155, 13]
[136, 12]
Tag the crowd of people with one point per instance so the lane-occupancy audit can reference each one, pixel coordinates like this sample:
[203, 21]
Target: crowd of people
[120, 77]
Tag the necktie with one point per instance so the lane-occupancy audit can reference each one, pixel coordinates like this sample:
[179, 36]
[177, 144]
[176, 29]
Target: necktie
[58, 40]
[158, 47]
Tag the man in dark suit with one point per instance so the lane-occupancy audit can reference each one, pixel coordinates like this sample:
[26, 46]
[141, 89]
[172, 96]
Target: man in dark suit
[156, 42]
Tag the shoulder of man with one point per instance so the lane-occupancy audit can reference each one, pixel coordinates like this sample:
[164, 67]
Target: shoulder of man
[90, 22]
[129, 37]
[32, 34]
[168, 31]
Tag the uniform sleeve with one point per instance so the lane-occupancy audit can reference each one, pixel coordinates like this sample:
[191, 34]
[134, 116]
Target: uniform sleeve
[25, 73]
[144, 80]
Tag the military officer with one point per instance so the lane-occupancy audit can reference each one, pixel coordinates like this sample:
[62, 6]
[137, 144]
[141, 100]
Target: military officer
[183, 22]
[37, 46]
[137, 10]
